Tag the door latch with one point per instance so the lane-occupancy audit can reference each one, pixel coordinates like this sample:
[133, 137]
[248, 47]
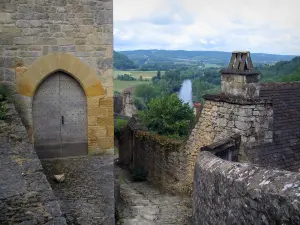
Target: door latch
[62, 119]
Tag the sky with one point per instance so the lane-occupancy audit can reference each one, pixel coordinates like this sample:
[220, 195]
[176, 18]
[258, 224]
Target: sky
[258, 26]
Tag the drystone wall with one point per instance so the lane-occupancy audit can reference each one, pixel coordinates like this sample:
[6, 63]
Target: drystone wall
[222, 118]
[159, 156]
[239, 193]
[30, 31]
[26, 196]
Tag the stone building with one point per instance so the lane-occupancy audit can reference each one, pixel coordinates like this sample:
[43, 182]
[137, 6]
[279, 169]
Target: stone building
[263, 187]
[56, 57]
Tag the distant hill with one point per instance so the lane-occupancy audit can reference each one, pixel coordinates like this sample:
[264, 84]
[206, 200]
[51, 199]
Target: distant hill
[144, 57]
[282, 71]
[122, 62]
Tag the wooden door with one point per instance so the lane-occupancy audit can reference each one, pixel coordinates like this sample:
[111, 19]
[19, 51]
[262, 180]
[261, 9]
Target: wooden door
[60, 117]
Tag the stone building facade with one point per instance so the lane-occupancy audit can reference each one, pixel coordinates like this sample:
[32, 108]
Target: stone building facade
[39, 39]
[236, 110]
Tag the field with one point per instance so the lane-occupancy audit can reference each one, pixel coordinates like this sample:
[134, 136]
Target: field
[210, 65]
[120, 85]
[137, 74]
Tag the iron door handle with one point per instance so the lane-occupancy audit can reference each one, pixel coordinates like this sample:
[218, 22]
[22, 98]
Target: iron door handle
[62, 119]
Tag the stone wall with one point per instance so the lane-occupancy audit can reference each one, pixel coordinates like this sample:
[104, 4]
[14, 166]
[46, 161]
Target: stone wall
[33, 37]
[160, 156]
[222, 117]
[235, 193]
[26, 196]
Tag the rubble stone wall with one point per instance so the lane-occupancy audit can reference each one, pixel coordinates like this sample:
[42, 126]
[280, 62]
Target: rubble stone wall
[239, 193]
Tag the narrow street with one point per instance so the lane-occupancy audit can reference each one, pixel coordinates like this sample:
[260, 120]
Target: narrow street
[86, 195]
[142, 204]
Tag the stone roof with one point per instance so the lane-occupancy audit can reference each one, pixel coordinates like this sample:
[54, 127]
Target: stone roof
[284, 152]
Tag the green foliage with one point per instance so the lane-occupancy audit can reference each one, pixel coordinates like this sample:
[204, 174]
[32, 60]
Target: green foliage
[295, 76]
[145, 92]
[139, 103]
[122, 62]
[280, 71]
[168, 115]
[119, 125]
[126, 77]
[4, 96]
[201, 88]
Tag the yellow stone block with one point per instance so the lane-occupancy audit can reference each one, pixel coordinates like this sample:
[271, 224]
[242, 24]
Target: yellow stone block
[110, 92]
[100, 133]
[107, 102]
[107, 121]
[105, 143]
[20, 71]
[92, 120]
[110, 111]
[65, 61]
[95, 90]
[25, 88]
[90, 79]
[110, 131]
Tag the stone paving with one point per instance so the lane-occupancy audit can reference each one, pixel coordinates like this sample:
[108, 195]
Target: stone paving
[142, 204]
[87, 194]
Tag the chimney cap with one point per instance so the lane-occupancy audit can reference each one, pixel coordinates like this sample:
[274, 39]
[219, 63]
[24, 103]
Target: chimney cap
[244, 52]
[240, 64]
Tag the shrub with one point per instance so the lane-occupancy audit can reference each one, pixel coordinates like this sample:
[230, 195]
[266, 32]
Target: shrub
[169, 116]
[119, 125]
[139, 103]
[4, 96]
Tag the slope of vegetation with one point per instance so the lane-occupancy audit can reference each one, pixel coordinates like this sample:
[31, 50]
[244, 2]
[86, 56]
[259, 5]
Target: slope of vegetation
[122, 62]
[172, 59]
[281, 71]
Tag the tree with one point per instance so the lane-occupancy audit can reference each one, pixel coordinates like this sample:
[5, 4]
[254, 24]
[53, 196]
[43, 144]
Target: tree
[168, 115]
[122, 62]
[158, 75]
[146, 92]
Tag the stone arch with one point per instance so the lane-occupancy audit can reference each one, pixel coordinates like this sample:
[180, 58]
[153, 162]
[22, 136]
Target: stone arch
[28, 82]
[99, 105]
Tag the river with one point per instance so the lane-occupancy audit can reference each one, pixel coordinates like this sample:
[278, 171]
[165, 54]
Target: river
[185, 93]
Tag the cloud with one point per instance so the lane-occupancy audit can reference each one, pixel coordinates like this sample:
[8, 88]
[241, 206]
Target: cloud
[258, 26]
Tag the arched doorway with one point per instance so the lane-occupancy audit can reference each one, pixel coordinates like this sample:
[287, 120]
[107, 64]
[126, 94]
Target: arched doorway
[60, 117]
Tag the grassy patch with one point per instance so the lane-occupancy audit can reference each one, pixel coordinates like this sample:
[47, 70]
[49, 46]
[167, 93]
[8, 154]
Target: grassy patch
[120, 85]
[210, 65]
[137, 74]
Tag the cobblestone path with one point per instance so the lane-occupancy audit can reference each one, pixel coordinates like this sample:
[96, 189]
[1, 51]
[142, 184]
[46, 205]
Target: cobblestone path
[142, 204]
[87, 194]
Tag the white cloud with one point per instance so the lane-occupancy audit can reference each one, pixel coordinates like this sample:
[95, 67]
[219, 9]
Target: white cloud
[259, 26]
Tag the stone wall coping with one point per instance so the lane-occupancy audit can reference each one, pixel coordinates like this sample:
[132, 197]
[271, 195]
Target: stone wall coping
[257, 179]
[251, 72]
[223, 144]
[236, 100]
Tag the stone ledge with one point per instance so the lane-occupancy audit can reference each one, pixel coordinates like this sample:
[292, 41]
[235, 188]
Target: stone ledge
[236, 100]
[224, 145]
[251, 72]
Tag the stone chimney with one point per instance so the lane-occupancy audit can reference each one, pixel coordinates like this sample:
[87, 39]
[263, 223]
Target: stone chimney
[129, 108]
[240, 78]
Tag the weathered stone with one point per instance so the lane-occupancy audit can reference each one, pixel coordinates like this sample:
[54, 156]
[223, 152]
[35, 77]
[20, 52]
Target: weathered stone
[219, 183]
[26, 195]
[103, 17]
[59, 178]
